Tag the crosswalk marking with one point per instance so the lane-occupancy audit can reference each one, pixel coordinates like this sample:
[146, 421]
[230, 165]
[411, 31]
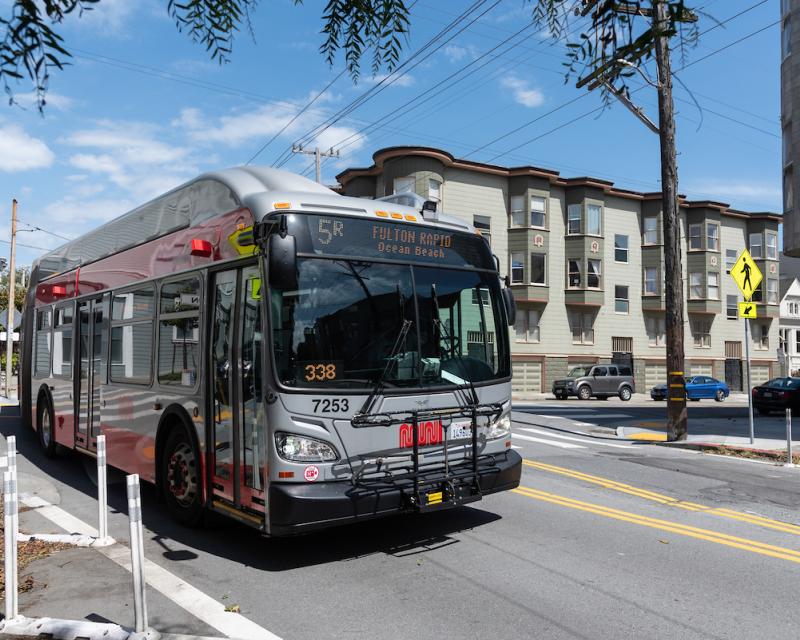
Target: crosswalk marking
[552, 443]
[583, 440]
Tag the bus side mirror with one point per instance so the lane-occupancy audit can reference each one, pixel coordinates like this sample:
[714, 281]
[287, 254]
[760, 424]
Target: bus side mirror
[282, 262]
[511, 306]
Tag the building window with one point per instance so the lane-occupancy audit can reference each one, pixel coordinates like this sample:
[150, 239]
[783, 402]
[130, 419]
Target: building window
[650, 230]
[772, 291]
[730, 259]
[620, 248]
[756, 246]
[783, 340]
[621, 303]
[593, 274]
[538, 275]
[581, 325]
[732, 307]
[538, 211]
[701, 332]
[434, 190]
[712, 237]
[484, 226]
[484, 299]
[696, 285]
[517, 211]
[758, 293]
[656, 331]
[761, 336]
[797, 341]
[574, 274]
[650, 281]
[695, 237]
[573, 219]
[527, 325]
[404, 185]
[593, 219]
[712, 283]
[772, 246]
[517, 267]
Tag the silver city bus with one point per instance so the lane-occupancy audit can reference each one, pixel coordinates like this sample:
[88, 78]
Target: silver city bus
[255, 344]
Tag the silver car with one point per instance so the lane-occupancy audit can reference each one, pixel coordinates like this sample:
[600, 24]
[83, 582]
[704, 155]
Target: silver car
[599, 381]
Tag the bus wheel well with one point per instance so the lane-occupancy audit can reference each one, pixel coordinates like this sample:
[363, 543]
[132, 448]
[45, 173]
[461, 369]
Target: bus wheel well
[42, 396]
[176, 417]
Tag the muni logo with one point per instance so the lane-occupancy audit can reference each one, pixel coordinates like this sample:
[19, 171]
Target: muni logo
[429, 432]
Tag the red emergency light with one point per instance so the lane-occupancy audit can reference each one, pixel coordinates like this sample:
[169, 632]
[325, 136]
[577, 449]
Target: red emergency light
[59, 291]
[201, 248]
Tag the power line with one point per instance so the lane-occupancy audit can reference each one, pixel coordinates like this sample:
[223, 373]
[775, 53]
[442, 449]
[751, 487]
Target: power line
[27, 246]
[728, 46]
[35, 228]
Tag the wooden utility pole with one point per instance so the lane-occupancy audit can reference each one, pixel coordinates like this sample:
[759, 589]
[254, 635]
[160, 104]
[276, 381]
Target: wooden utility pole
[10, 313]
[330, 153]
[673, 277]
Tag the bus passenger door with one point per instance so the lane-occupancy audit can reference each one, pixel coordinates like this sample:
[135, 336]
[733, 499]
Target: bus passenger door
[235, 377]
[91, 374]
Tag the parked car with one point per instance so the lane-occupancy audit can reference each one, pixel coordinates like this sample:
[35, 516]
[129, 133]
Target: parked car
[599, 381]
[776, 395]
[697, 388]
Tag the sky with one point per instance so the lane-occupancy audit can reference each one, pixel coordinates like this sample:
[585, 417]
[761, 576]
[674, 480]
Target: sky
[142, 109]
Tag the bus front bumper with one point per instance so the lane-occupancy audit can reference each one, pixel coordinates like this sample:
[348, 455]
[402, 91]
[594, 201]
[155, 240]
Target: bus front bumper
[299, 508]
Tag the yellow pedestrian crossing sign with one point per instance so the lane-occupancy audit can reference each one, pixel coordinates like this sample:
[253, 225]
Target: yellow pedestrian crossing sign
[746, 274]
[747, 310]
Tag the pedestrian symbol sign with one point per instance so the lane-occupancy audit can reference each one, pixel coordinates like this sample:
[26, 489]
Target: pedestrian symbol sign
[747, 310]
[746, 274]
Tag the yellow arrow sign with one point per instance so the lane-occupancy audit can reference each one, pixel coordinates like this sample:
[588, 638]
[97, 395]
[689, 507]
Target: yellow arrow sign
[746, 274]
[747, 310]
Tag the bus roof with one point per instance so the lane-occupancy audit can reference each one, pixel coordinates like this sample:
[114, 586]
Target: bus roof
[208, 195]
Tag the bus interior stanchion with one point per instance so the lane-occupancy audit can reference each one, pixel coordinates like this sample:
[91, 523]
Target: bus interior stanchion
[11, 524]
[789, 457]
[102, 499]
[137, 553]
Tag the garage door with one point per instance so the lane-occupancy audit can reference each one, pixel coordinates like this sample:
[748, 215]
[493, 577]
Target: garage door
[759, 374]
[527, 377]
[701, 370]
[654, 374]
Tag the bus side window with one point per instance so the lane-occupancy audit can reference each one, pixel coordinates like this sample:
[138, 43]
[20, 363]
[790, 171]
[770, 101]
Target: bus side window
[43, 324]
[62, 341]
[179, 332]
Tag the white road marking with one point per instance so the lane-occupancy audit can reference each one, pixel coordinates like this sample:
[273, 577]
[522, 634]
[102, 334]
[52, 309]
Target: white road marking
[561, 445]
[200, 605]
[583, 440]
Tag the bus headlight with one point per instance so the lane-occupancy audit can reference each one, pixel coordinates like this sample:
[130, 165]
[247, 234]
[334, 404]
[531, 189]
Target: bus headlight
[296, 448]
[499, 428]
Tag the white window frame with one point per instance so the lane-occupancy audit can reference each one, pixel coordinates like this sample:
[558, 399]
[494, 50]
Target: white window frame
[701, 333]
[772, 291]
[434, 190]
[695, 281]
[518, 212]
[712, 239]
[626, 248]
[757, 255]
[592, 230]
[543, 256]
[730, 259]
[536, 211]
[579, 272]
[620, 299]
[571, 217]
[712, 285]
[525, 330]
[591, 273]
[405, 180]
[650, 236]
[772, 246]
[734, 308]
[655, 291]
[583, 330]
[696, 235]
[656, 329]
[521, 268]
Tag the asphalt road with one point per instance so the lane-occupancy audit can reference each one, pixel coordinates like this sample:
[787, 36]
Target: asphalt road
[604, 539]
[706, 417]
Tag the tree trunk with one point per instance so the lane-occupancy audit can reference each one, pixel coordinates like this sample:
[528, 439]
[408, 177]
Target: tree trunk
[673, 277]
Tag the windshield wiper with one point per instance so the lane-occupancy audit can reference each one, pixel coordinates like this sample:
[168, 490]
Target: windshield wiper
[440, 328]
[366, 408]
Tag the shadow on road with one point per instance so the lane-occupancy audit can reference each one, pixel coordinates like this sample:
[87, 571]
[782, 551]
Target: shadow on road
[397, 536]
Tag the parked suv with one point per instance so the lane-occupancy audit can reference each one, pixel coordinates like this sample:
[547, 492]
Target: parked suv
[599, 381]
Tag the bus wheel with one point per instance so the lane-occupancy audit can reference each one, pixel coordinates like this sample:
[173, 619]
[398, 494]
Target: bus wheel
[44, 427]
[180, 478]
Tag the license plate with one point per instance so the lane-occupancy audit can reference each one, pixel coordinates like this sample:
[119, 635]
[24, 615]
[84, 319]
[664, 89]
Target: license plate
[460, 431]
[767, 394]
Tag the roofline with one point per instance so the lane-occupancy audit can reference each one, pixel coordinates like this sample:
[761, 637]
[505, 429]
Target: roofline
[554, 177]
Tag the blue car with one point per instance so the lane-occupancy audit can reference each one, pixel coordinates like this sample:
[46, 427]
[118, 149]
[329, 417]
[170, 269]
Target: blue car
[697, 388]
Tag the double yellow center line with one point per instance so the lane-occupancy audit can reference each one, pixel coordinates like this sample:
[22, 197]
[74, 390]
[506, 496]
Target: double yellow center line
[708, 535]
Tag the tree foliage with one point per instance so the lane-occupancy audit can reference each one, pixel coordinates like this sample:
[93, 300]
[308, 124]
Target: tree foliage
[32, 48]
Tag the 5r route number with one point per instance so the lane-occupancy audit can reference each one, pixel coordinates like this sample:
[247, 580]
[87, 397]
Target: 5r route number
[330, 405]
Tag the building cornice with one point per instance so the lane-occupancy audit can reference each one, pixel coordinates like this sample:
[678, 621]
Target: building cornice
[381, 156]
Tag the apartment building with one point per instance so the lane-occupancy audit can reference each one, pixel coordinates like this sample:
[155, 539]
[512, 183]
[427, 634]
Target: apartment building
[585, 260]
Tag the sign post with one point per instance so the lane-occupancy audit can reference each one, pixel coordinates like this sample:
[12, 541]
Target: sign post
[747, 276]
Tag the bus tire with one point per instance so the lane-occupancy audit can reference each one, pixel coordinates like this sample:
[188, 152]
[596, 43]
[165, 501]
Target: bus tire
[180, 478]
[45, 424]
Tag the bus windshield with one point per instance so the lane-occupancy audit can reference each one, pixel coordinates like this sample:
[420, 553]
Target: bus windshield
[344, 326]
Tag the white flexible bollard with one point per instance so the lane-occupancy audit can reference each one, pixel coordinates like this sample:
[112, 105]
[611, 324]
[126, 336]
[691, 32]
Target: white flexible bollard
[102, 497]
[11, 524]
[137, 552]
[789, 457]
[11, 455]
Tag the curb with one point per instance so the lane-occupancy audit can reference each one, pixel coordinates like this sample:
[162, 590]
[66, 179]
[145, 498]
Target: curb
[769, 454]
[57, 629]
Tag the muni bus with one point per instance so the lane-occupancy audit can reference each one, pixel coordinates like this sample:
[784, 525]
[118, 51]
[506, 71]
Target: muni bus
[258, 345]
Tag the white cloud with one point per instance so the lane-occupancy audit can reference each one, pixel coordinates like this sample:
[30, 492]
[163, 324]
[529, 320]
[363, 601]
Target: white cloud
[396, 81]
[189, 118]
[766, 194]
[132, 142]
[80, 212]
[455, 53]
[106, 18]
[523, 93]
[21, 152]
